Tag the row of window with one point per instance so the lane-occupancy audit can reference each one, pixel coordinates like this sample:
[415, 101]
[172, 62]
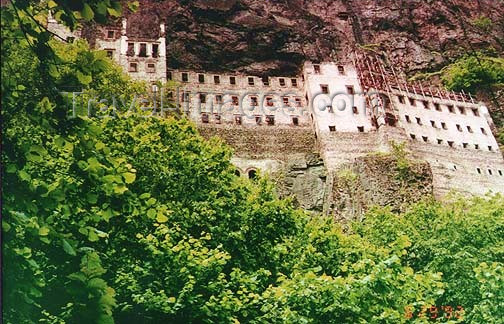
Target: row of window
[437, 106]
[449, 143]
[490, 171]
[317, 69]
[235, 100]
[238, 120]
[232, 80]
[149, 67]
[143, 50]
[360, 129]
[444, 126]
[324, 88]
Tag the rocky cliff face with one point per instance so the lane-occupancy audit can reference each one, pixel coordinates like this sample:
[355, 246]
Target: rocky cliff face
[275, 37]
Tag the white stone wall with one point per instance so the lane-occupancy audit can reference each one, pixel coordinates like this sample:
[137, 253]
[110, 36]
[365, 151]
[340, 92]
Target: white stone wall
[336, 110]
[228, 111]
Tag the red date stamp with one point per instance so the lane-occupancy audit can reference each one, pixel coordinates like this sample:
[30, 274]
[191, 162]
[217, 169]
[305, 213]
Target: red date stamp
[434, 312]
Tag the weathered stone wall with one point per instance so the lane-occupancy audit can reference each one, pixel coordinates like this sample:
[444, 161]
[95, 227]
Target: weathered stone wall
[378, 179]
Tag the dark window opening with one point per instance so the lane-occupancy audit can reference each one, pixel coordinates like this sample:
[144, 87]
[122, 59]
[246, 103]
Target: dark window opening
[155, 50]
[469, 129]
[235, 100]
[204, 118]
[500, 173]
[465, 145]
[110, 34]
[475, 112]
[218, 118]
[202, 97]
[270, 120]
[360, 129]
[232, 80]
[237, 173]
[131, 49]
[490, 172]
[252, 174]
[479, 170]
[462, 110]
[285, 101]
[258, 120]
[476, 146]
[490, 148]
[390, 119]
[185, 77]
[324, 88]
[218, 99]
[251, 81]
[143, 50]
[269, 101]
[110, 53]
[265, 81]
[341, 69]
[201, 78]
[298, 102]
[253, 101]
[316, 68]
[437, 106]
[238, 120]
[151, 68]
[407, 118]
[413, 136]
[282, 82]
[294, 82]
[169, 75]
[70, 39]
[295, 121]
[443, 125]
[433, 124]
[450, 109]
[216, 79]
[412, 101]
[459, 128]
[440, 141]
[133, 67]
[350, 90]
[425, 138]
[425, 104]
[418, 121]
[401, 99]
[332, 128]
[483, 131]
[355, 110]
[450, 143]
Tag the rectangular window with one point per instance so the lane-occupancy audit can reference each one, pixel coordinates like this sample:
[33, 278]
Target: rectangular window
[285, 101]
[407, 118]
[232, 80]
[295, 121]
[479, 170]
[433, 124]
[235, 100]
[202, 97]
[201, 78]
[412, 101]
[475, 112]
[218, 118]
[401, 99]
[218, 99]
[204, 118]
[490, 148]
[324, 88]
[298, 102]
[360, 129]
[282, 82]
[294, 82]
[269, 101]
[110, 34]
[469, 129]
[476, 146]
[425, 104]
[143, 50]
[443, 125]
[133, 67]
[490, 172]
[465, 145]
[425, 139]
[185, 77]
[151, 67]
[185, 96]
[155, 50]
[418, 121]
[258, 120]
[459, 128]
[350, 90]
[251, 81]
[483, 131]
[316, 68]
[462, 110]
[270, 120]
[341, 69]
[355, 110]
[131, 49]
[437, 106]
[332, 128]
[450, 143]
[238, 119]
[253, 101]
[265, 81]
[110, 53]
[450, 108]
[439, 141]
[169, 75]
[216, 79]
[413, 136]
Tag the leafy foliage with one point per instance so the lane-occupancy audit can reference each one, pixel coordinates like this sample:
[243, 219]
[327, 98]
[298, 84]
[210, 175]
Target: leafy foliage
[473, 72]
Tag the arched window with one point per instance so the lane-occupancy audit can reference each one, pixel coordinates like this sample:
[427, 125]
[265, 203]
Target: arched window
[237, 173]
[252, 174]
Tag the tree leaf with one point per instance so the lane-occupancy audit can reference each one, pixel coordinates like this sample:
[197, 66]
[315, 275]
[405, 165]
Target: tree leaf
[68, 248]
